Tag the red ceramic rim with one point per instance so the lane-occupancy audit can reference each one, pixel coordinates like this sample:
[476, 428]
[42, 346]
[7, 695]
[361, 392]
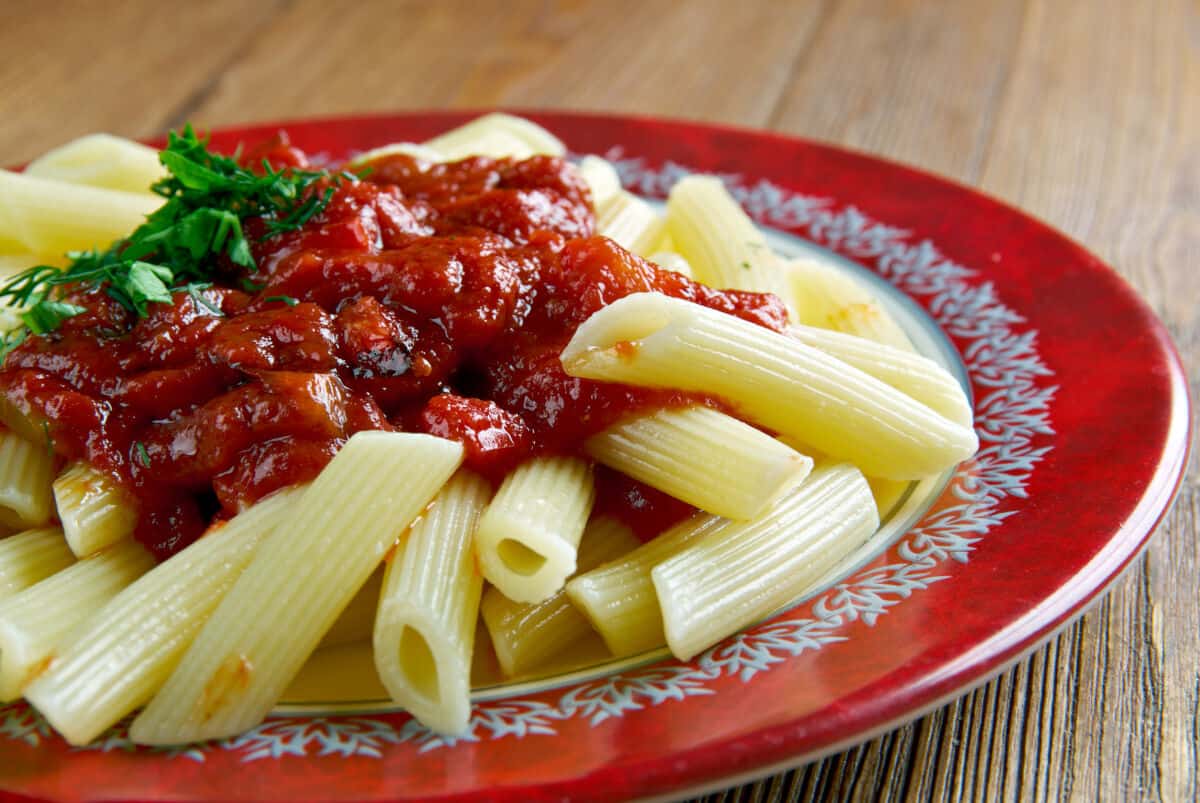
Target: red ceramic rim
[1083, 413]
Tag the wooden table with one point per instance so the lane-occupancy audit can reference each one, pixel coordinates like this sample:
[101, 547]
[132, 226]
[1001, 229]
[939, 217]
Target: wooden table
[1085, 113]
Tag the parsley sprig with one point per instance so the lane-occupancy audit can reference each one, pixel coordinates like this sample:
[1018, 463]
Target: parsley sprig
[178, 248]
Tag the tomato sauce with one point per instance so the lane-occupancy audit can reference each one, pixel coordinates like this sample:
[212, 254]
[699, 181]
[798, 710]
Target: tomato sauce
[428, 298]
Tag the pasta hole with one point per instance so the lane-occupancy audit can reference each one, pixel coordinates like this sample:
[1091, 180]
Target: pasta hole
[519, 558]
[418, 664]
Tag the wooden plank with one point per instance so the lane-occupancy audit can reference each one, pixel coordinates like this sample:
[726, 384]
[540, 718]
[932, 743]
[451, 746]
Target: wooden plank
[75, 68]
[918, 82]
[683, 59]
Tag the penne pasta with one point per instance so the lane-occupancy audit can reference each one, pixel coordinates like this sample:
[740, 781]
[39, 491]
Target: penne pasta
[918, 377]
[631, 223]
[673, 262]
[124, 654]
[101, 160]
[739, 573]
[357, 622]
[705, 458]
[654, 341]
[26, 474]
[12, 264]
[53, 217]
[527, 635]
[602, 179]
[413, 149]
[828, 298]
[529, 534]
[718, 239]
[618, 597]
[425, 629]
[28, 558]
[296, 585]
[887, 494]
[36, 622]
[95, 512]
[497, 135]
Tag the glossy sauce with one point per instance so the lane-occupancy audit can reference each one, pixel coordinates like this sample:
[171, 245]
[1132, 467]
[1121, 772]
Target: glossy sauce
[431, 298]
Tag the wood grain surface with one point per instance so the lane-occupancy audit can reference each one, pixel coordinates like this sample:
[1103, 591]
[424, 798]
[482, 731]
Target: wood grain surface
[1084, 112]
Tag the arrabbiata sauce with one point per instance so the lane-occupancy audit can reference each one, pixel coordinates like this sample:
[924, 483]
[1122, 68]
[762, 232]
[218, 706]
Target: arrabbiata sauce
[430, 298]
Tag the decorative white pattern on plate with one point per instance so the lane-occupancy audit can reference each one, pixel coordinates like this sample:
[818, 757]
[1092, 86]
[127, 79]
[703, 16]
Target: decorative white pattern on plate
[1011, 416]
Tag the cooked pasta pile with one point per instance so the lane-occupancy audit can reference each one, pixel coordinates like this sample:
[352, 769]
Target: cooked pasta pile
[813, 429]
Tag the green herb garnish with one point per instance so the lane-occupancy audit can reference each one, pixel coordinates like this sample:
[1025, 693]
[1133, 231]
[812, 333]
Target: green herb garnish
[143, 455]
[208, 196]
[291, 302]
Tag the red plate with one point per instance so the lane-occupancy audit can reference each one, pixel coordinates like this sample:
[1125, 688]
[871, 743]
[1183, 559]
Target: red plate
[1082, 412]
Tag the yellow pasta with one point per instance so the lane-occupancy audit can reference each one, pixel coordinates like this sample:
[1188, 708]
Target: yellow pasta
[101, 160]
[773, 380]
[28, 558]
[618, 597]
[706, 458]
[94, 510]
[53, 217]
[718, 239]
[602, 180]
[918, 377]
[497, 135]
[36, 622]
[356, 622]
[26, 472]
[673, 262]
[296, 585]
[528, 536]
[124, 654]
[631, 223]
[828, 298]
[739, 573]
[527, 635]
[422, 152]
[425, 629]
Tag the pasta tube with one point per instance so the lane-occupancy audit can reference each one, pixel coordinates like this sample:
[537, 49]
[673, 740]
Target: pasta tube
[631, 223]
[828, 298]
[601, 178]
[422, 152]
[129, 648]
[908, 372]
[497, 135]
[52, 217]
[30, 557]
[357, 622]
[673, 262]
[101, 160]
[35, 622]
[528, 536]
[95, 511]
[718, 239]
[618, 597]
[887, 494]
[706, 458]
[526, 635]
[296, 585]
[738, 574]
[26, 472]
[425, 629]
[774, 381]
